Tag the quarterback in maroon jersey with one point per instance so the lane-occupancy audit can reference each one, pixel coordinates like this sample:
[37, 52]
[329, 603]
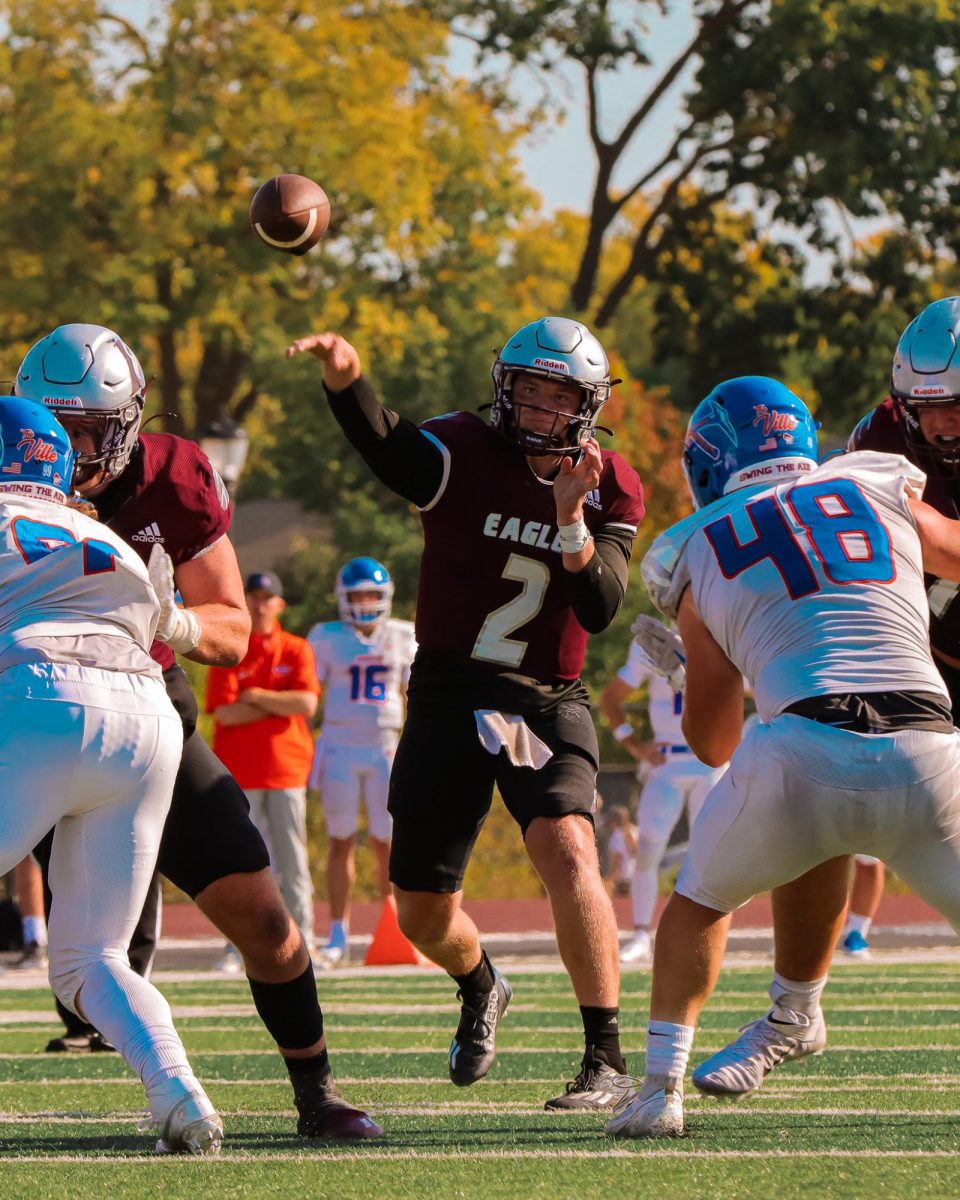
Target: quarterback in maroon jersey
[158, 490]
[528, 528]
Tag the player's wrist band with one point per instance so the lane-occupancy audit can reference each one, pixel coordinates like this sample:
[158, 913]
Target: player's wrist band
[183, 634]
[573, 537]
[622, 732]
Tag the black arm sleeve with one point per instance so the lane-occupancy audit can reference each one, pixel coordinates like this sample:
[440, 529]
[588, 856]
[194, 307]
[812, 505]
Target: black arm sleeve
[597, 591]
[399, 454]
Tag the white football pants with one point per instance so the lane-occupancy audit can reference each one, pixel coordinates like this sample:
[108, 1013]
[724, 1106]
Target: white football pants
[798, 793]
[682, 780]
[104, 778]
[344, 774]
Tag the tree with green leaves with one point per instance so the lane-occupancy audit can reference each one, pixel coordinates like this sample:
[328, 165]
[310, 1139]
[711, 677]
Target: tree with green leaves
[818, 112]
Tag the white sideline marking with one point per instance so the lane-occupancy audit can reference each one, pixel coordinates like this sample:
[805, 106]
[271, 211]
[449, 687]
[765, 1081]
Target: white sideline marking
[852, 1083]
[703, 1104]
[459, 1155]
[505, 1051]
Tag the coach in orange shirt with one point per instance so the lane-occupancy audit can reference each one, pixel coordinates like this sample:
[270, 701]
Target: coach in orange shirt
[262, 711]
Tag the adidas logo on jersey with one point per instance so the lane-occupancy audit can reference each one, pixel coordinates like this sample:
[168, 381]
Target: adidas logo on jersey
[150, 534]
[593, 499]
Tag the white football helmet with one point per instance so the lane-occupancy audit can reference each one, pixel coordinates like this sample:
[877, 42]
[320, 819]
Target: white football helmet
[559, 349]
[89, 371]
[926, 373]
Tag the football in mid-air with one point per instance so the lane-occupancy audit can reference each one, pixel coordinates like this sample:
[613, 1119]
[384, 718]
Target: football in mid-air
[290, 213]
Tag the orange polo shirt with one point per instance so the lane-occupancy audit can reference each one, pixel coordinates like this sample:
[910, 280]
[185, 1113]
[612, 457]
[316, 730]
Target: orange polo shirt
[275, 752]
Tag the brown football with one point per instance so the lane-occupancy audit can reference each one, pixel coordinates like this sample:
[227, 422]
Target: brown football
[290, 213]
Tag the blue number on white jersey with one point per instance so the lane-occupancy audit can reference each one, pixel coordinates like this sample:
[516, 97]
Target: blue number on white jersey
[846, 534]
[36, 539]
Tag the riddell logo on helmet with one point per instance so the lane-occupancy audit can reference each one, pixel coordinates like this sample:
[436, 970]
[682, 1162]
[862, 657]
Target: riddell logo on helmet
[929, 389]
[551, 364]
[63, 401]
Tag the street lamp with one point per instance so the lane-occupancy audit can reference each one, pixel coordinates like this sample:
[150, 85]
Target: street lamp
[226, 444]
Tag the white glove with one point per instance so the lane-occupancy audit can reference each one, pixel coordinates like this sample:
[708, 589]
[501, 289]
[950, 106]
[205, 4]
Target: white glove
[662, 648]
[177, 626]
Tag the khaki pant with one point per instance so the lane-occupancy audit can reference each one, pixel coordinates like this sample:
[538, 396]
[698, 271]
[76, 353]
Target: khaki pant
[281, 816]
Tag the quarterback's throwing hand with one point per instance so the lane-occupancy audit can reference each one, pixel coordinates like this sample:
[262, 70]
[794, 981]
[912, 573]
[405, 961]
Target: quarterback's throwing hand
[341, 363]
[177, 627]
[663, 649]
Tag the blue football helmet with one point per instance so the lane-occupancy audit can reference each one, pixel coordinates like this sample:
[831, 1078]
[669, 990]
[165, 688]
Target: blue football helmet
[37, 458]
[364, 575]
[747, 430]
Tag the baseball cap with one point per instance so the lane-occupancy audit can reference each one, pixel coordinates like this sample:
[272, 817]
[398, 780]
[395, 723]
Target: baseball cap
[263, 581]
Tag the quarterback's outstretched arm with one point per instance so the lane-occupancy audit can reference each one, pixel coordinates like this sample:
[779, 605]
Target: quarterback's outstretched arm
[400, 455]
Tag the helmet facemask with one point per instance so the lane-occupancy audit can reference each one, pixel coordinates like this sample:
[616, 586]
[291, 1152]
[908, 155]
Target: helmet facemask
[563, 352]
[87, 373]
[569, 430]
[926, 376]
[937, 459]
[114, 435]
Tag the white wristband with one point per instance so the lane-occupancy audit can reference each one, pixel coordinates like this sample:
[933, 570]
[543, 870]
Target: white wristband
[573, 537]
[183, 631]
[622, 732]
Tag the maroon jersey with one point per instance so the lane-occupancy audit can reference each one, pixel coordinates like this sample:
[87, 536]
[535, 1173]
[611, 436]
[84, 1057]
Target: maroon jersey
[493, 591]
[882, 429]
[169, 494]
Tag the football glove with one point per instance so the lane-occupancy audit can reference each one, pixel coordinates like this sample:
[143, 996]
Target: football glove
[662, 648]
[177, 627]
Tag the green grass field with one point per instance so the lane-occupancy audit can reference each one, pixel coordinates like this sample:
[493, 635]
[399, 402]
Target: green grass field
[878, 1114]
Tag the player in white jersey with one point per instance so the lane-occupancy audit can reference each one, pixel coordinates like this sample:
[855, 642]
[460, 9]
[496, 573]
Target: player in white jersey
[809, 582]
[363, 663]
[89, 744]
[678, 780]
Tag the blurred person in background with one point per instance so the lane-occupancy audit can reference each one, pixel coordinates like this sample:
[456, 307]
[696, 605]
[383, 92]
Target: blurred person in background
[262, 711]
[674, 779]
[363, 664]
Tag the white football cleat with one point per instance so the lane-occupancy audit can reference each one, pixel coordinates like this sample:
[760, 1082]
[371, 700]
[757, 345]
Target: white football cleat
[657, 1111]
[740, 1068]
[638, 950]
[329, 956]
[191, 1126]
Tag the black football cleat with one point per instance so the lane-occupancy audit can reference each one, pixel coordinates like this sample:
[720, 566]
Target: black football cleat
[325, 1114]
[80, 1043]
[472, 1051]
[597, 1088]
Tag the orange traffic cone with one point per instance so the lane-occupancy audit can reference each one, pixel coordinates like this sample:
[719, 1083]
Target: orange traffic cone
[389, 947]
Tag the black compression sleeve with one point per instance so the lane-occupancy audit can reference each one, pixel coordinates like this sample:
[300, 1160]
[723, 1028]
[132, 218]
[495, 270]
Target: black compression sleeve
[400, 455]
[597, 591]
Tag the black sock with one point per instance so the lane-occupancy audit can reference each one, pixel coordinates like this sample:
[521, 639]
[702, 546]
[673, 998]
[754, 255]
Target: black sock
[291, 1010]
[477, 982]
[311, 1078]
[316, 1063]
[601, 1032]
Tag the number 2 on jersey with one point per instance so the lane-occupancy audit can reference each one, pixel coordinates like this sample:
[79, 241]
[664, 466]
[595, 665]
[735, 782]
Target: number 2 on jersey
[493, 643]
[844, 531]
